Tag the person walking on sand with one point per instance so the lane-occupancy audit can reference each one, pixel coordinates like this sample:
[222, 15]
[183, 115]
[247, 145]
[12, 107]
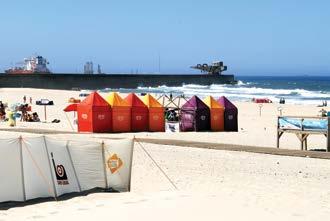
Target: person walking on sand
[24, 99]
[30, 100]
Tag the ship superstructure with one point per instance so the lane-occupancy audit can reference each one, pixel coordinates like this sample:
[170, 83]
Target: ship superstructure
[32, 65]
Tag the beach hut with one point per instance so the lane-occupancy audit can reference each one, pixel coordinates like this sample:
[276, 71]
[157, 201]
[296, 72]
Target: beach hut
[216, 114]
[94, 114]
[139, 114]
[194, 115]
[231, 113]
[121, 113]
[156, 114]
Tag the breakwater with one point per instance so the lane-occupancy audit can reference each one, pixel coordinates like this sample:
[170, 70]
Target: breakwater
[100, 81]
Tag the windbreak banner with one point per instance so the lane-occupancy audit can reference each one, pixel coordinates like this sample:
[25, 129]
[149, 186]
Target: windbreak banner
[47, 167]
[87, 160]
[61, 166]
[118, 163]
[11, 188]
[38, 180]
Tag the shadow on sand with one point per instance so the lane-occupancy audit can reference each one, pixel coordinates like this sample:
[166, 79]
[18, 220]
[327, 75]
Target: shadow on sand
[12, 204]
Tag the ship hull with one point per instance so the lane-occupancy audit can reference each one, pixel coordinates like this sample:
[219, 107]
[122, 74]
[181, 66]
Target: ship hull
[101, 81]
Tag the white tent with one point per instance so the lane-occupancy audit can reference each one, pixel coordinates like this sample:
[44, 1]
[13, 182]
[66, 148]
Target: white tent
[47, 167]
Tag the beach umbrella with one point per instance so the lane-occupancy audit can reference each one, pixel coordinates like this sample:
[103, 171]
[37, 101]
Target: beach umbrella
[71, 107]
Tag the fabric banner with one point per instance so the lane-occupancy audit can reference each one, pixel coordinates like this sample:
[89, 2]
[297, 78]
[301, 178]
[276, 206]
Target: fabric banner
[87, 159]
[310, 124]
[118, 159]
[38, 167]
[11, 171]
[37, 175]
[61, 166]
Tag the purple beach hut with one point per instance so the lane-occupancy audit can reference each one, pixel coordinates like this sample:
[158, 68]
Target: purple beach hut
[230, 115]
[194, 115]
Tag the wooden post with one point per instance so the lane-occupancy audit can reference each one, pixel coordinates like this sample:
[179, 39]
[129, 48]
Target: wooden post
[260, 106]
[328, 135]
[302, 142]
[22, 168]
[45, 113]
[277, 133]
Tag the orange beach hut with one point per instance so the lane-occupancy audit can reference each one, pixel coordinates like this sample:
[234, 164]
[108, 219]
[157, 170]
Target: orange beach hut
[156, 114]
[216, 114]
[94, 114]
[139, 114]
[121, 113]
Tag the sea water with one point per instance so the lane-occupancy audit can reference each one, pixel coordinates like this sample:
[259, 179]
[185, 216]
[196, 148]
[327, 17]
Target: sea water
[294, 89]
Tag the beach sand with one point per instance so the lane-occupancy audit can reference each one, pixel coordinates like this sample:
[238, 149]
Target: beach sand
[254, 130]
[212, 184]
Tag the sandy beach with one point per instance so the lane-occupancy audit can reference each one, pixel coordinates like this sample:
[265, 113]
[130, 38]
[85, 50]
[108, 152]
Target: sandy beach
[211, 184]
[254, 130]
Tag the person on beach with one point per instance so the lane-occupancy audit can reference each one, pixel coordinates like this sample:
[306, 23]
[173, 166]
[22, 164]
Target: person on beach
[24, 112]
[2, 111]
[24, 99]
[30, 100]
[11, 119]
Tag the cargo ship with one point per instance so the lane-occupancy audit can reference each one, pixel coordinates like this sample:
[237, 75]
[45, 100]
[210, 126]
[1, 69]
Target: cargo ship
[35, 74]
[32, 65]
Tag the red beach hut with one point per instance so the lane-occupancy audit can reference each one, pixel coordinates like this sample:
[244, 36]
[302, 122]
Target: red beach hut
[121, 113]
[156, 114]
[94, 114]
[139, 114]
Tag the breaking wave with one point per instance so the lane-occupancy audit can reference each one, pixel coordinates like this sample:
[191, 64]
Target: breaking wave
[243, 91]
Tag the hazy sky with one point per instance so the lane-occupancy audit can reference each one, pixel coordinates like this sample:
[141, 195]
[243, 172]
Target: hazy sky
[251, 37]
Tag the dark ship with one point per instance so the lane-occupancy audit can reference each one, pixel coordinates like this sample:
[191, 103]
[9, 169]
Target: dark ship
[26, 77]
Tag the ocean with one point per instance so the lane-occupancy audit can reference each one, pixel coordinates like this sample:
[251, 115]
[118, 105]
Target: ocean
[294, 89]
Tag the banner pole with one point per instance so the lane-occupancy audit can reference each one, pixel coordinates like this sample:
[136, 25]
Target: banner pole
[104, 166]
[50, 169]
[22, 166]
[130, 168]
[74, 169]
[67, 117]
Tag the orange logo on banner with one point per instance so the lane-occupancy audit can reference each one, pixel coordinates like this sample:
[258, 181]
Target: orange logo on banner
[114, 163]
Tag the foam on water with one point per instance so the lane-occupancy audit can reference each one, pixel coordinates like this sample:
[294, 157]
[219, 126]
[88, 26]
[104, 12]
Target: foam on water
[242, 91]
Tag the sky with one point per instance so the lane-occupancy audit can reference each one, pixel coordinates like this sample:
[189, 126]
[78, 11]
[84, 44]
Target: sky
[255, 37]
